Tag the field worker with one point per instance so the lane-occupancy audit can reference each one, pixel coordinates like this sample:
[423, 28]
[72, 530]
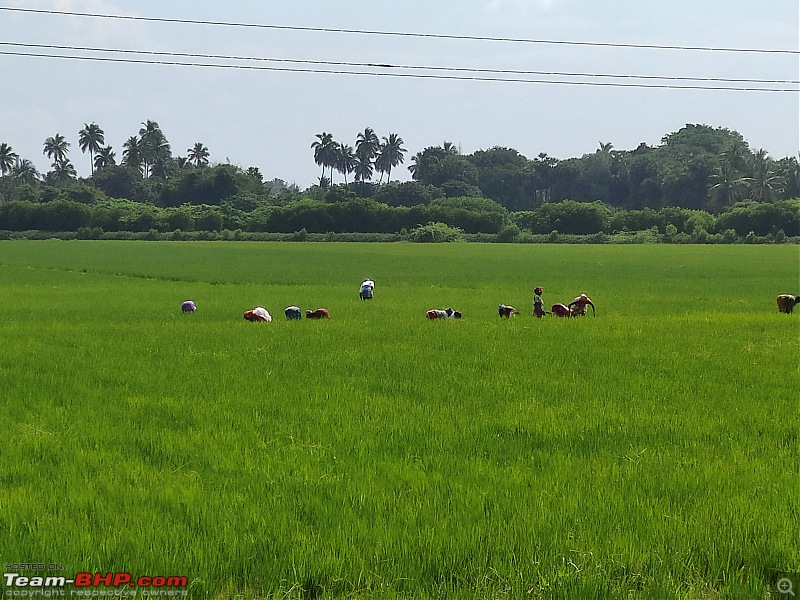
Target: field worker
[188, 306]
[538, 303]
[259, 313]
[577, 308]
[365, 291]
[786, 303]
[506, 311]
[447, 313]
[293, 312]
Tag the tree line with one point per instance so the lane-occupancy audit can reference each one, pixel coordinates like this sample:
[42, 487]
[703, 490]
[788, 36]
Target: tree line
[709, 174]
[78, 211]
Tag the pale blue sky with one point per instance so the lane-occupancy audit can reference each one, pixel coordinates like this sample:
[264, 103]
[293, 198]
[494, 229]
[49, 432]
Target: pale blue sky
[269, 119]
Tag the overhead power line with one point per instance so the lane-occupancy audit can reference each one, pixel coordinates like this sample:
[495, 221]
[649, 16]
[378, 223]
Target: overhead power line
[400, 66]
[400, 33]
[396, 74]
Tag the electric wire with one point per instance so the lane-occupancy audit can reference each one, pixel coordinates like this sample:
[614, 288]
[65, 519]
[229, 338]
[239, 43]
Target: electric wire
[401, 75]
[400, 66]
[402, 34]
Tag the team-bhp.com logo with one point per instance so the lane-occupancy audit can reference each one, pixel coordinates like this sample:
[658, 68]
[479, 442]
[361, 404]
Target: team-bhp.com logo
[90, 584]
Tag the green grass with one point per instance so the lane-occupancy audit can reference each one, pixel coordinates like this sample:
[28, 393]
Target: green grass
[650, 452]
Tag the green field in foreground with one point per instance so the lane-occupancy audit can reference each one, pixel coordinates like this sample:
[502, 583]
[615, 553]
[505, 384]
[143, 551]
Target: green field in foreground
[650, 452]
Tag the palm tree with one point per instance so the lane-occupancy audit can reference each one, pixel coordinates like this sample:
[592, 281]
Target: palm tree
[56, 147]
[105, 157]
[345, 160]
[154, 148]
[766, 183]
[362, 170]
[605, 148]
[737, 156]
[450, 148]
[91, 138]
[63, 170]
[163, 164]
[23, 171]
[726, 187]
[132, 153]
[390, 155]
[324, 151]
[7, 158]
[367, 145]
[416, 161]
[198, 154]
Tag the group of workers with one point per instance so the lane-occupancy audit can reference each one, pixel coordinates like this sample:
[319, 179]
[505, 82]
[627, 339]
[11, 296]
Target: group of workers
[577, 308]
[292, 313]
[366, 292]
[261, 314]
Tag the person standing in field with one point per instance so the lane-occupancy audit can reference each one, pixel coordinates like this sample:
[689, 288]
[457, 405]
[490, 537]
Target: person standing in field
[365, 291]
[538, 303]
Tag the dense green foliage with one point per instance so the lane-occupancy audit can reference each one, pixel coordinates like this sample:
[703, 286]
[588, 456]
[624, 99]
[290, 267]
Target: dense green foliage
[645, 453]
[699, 182]
[779, 221]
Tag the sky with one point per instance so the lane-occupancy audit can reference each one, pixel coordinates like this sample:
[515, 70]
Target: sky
[265, 118]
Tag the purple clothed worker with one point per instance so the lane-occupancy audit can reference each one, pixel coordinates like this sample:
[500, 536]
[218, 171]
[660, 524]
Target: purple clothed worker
[188, 306]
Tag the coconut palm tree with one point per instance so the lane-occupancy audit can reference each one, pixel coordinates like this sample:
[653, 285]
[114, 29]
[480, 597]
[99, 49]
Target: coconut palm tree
[105, 157]
[7, 159]
[367, 144]
[324, 151]
[345, 160]
[362, 170]
[416, 161]
[163, 164]
[605, 148]
[450, 147]
[154, 148]
[737, 155]
[727, 187]
[390, 155]
[198, 155]
[56, 147]
[23, 171]
[766, 183]
[63, 170]
[132, 153]
[91, 138]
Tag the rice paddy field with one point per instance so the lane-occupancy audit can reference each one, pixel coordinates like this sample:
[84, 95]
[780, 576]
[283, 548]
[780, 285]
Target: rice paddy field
[650, 452]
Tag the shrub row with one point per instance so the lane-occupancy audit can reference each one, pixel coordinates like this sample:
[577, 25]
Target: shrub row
[418, 234]
[366, 216]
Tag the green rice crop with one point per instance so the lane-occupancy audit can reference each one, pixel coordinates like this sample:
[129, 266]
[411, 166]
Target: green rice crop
[650, 452]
